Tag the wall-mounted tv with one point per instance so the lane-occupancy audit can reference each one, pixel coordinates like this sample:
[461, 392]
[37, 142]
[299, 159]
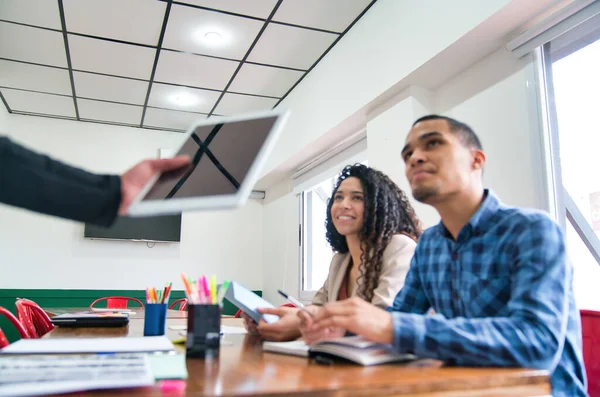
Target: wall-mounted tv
[153, 228]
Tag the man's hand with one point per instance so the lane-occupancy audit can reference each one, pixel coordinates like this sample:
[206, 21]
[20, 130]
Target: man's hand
[312, 336]
[356, 316]
[140, 174]
[287, 328]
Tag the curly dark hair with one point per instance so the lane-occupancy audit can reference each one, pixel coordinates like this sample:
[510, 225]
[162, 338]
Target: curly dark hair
[387, 212]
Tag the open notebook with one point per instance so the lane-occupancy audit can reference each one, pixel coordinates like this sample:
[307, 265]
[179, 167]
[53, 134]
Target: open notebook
[352, 348]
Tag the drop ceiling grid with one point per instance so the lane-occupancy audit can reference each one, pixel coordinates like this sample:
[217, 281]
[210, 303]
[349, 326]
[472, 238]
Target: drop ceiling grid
[123, 62]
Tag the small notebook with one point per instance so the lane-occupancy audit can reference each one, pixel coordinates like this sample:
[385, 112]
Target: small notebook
[351, 348]
[91, 319]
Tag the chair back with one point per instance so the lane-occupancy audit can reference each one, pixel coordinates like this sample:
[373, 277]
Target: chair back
[182, 304]
[15, 322]
[590, 326]
[33, 318]
[117, 302]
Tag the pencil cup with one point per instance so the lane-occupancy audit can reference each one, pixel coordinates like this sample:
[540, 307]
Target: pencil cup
[155, 319]
[203, 331]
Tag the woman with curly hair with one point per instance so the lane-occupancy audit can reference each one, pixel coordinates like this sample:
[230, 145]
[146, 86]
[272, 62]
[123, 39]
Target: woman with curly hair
[373, 229]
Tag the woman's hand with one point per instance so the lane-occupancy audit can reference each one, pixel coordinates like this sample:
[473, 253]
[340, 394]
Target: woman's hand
[250, 324]
[310, 335]
[287, 328]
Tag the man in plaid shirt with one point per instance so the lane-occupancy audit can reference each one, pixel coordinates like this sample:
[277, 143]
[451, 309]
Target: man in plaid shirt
[497, 277]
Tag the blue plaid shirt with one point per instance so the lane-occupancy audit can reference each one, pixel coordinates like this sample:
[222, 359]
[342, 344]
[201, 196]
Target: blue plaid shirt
[502, 295]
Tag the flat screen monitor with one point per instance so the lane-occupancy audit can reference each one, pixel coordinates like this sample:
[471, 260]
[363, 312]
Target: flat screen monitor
[153, 228]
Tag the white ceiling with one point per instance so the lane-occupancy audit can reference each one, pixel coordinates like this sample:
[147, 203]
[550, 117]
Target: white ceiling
[124, 61]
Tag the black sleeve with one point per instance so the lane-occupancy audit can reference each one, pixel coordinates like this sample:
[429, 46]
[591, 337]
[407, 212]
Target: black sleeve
[36, 182]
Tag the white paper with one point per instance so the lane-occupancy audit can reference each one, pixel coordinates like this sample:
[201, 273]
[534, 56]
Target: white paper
[225, 329]
[89, 345]
[52, 374]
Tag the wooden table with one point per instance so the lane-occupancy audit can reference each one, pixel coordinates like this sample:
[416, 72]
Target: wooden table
[243, 369]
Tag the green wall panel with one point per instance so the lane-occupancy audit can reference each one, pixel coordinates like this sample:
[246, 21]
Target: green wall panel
[49, 298]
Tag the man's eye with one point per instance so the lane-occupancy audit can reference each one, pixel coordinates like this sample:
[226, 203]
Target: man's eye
[433, 143]
[406, 156]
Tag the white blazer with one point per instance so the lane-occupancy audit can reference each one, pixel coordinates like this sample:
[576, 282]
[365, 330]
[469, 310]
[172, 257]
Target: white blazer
[396, 262]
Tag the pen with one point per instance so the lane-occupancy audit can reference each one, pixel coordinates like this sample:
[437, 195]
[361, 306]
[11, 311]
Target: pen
[294, 302]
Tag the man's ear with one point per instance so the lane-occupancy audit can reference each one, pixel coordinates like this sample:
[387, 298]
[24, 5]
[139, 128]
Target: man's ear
[478, 159]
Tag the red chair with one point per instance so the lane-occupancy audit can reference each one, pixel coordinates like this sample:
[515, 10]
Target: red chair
[183, 304]
[22, 332]
[33, 318]
[117, 302]
[590, 326]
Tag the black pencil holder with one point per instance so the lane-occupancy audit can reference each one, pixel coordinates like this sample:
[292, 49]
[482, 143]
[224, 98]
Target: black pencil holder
[203, 331]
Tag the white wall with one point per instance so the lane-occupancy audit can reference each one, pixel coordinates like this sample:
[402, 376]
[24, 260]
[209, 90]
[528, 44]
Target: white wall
[39, 251]
[394, 38]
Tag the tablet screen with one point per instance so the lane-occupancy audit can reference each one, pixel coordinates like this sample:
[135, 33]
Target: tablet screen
[221, 154]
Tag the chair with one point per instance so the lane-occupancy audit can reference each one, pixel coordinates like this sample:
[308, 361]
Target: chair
[22, 332]
[183, 304]
[590, 326]
[33, 318]
[117, 302]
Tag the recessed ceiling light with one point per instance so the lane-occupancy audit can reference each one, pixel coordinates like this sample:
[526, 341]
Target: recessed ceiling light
[184, 99]
[212, 38]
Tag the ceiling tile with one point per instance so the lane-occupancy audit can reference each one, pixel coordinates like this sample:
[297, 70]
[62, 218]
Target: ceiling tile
[254, 8]
[111, 58]
[116, 89]
[171, 118]
[32, 77]
[137, 21]
[194, 70]
[264, 80]
[187, 28]
[24, 43]
[182, 98]
[234, 103]
[112, 112]
[292, 47]
[46, 12]
[34, 102]
[334, 15]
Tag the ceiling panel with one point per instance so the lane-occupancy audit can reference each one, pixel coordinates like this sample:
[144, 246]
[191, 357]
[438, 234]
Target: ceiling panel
[111, 58]
[194, 70]
[34, 102]
[292, 47]
[171, 119]
[24, 43]
[33, 77]
[334, 15]
[108, 88]
[111, 112]
[138, 21]
[254, 8]
[46, 12]
[188, 27]
[182, 98]
[234, 103]
[264, 80]
[108, 59]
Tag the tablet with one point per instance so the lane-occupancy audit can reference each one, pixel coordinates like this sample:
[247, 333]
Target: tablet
[228, 155]
[247, 301]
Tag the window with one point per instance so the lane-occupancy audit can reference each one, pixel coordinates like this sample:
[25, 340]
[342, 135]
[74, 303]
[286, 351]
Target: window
[315, 252]
[572, 64]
